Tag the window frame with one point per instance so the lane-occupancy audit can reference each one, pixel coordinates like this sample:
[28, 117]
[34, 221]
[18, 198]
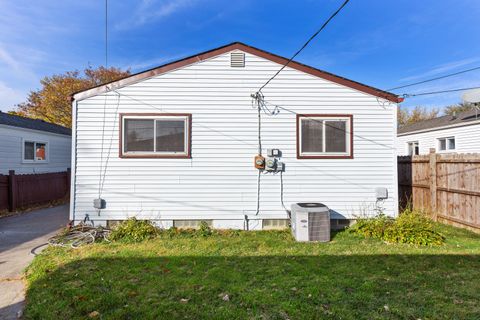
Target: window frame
[413, 143]
[447, 149]
[34, 141]
[326, 155]
[153, 154]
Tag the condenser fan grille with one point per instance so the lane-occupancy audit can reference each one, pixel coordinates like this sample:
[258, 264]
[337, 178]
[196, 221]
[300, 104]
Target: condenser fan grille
[319, 226]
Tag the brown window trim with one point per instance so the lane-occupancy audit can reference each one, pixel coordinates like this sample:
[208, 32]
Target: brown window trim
[350, 156]
[157, 156]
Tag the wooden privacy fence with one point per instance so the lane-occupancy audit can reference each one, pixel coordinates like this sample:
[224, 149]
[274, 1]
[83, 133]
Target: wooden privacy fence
[24, 190]
[445, 185]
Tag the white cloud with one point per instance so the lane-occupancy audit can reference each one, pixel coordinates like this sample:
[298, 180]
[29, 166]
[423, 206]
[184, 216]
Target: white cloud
[441, 69]
[151, 10]
[16, 62]
[9, 97]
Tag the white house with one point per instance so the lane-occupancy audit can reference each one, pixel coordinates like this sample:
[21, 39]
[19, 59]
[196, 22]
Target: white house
[33, 146]
[179, 143]
[459, 133]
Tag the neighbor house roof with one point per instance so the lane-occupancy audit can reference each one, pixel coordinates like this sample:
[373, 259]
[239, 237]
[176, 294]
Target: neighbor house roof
[230, 47]
[34, 124]
[441, 122]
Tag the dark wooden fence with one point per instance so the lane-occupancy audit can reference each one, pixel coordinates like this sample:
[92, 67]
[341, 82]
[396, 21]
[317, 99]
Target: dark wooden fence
[445, 185]
[25, 190]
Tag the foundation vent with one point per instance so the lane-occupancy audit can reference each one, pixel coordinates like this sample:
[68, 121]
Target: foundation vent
[190, 224]
[275, 224]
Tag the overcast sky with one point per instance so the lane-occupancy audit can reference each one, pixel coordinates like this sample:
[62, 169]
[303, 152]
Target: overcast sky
[376, 42]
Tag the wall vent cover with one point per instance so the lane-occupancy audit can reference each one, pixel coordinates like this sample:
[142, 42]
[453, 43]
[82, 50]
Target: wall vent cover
[237, 59]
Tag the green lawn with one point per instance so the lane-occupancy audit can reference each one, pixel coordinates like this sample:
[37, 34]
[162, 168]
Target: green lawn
[266, 275]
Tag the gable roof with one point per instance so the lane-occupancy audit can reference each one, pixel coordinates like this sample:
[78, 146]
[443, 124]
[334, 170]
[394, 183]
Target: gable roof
[440, 122]
[230, 47]
[34, 124]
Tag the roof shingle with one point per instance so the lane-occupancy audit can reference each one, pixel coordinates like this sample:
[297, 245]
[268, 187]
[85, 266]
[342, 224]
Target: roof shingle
[34, 124]
[439, 122]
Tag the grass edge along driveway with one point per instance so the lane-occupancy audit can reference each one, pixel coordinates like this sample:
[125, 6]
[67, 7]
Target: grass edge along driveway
[258, 275]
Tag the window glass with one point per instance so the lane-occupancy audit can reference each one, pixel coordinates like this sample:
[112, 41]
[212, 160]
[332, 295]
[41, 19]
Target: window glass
[139, 135]
[451, 143]
[413, 148]
[156, 135]
[170, 135]
[29, 150]
[335, 137]
[312, 135]
[442, 144]
[322, 135]
[40, 153]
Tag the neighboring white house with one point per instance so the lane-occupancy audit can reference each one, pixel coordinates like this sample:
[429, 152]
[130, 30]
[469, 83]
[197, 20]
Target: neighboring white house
[459, 133]
[179, 143]
[33, 146]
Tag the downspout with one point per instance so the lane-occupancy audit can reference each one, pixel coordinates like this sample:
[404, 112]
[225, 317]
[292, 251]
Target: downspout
[73, 170]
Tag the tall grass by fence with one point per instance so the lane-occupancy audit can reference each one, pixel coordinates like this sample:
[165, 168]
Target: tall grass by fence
[25, 190]
[445, 185]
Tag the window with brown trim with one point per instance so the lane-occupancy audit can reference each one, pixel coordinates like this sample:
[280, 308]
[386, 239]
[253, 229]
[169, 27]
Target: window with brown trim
[324, 136]
[155, 135]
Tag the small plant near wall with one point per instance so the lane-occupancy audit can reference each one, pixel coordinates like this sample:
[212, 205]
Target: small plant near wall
[415, 228]
[411, 227]
[133, 230]
[204, 230]
[372, 227]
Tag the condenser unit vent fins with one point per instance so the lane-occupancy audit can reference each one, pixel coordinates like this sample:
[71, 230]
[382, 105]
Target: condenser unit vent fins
[237, 59]
[318, 226]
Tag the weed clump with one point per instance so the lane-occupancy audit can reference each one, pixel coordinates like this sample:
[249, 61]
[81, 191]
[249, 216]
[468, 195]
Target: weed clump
[133, 230]
[411, 227]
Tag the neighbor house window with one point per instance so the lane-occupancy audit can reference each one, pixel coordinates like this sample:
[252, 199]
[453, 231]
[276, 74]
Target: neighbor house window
[446, 144]
[413, 149]
[324, 136]
[34, 151]
[155, 135]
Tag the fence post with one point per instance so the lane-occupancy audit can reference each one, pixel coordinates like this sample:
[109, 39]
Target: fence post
[433, 183]
[69, 176]
[12, 191]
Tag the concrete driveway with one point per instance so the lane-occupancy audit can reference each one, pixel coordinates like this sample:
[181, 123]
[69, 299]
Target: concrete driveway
[19, 235]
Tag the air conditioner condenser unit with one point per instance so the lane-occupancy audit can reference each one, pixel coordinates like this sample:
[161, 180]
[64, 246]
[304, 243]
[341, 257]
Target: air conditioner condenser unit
[310, 222]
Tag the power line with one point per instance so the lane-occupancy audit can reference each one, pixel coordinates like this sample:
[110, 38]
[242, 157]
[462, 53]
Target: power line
[100, 182]
[410, 95]
[305, 44]
[106, 33]
[433, 79]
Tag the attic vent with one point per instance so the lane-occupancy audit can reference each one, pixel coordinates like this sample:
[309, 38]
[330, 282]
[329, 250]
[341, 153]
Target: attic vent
[237, 59]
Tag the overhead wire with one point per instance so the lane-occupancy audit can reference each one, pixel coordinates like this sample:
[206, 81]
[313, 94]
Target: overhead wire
[434, 79]
[410, 95]
[305, 44]
[261, 106]
[100, 184]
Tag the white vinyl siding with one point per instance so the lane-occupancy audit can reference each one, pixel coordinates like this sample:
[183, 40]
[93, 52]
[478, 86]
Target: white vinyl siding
[12, 151]
[467, 140]
[219, 181]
